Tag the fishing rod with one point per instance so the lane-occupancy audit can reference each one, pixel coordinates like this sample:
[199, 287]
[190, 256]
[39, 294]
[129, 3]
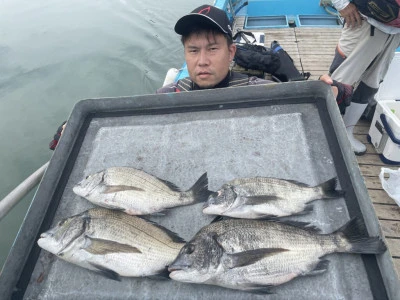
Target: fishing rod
[21, 190]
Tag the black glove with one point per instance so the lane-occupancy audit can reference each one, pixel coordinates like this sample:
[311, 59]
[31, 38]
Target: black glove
[54, 142]
[344, 96]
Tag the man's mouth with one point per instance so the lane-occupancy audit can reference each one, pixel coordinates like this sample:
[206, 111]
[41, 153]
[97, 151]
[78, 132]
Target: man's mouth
[203, 74]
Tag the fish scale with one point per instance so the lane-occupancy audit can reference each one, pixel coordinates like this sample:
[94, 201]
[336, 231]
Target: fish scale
[124, 176]
[265, 186]
[254, 255]
[137, 192]
[260, 197]
[113, 243]
[114, 229]
[258, 235]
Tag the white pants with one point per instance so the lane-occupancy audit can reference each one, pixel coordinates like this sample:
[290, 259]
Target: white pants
[368, 57]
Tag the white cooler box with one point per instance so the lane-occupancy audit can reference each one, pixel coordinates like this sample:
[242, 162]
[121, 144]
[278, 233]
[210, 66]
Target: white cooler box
[384, 132]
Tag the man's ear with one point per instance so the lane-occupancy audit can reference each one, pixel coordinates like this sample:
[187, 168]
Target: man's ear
[232, 51]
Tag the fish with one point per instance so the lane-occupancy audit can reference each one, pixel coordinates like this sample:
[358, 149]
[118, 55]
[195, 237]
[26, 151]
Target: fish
[136, 192]
[264, 197]
[113, 244]
[258, 255]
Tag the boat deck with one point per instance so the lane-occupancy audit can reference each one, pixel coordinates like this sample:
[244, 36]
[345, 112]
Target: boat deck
[386, 209]
[312, 50]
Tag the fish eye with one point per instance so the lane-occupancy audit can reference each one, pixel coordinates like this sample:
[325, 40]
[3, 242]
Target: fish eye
[62, 222]
[233, 191]
[212, 197]
[190, 249]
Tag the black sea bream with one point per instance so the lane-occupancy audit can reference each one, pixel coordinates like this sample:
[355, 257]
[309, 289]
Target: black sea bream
[254, 255]
[113, 243]
[137, 192]
[260, 197]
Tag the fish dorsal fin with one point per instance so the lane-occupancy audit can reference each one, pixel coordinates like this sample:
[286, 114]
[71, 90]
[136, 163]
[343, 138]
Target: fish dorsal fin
[257, 200]
[120, 188]
[301, 184]
[171, 185]
[245, 258]
[298, 224]
[106, 272]
[102, 247]
[173, 236]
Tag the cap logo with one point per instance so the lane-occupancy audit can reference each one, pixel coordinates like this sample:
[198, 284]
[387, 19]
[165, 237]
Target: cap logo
[205, 10]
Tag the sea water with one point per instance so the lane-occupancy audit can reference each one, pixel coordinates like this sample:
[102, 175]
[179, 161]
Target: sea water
[55, 53]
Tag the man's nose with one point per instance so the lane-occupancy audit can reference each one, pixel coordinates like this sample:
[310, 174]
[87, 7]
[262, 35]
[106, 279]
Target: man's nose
[203, 57]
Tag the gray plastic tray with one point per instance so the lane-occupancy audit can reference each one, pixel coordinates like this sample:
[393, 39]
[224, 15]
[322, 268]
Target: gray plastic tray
[290, 130]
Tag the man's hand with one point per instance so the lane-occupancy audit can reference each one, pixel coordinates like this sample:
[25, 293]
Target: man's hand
[351, 15]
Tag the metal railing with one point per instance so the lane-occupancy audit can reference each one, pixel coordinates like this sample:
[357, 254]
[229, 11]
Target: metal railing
[21, 190]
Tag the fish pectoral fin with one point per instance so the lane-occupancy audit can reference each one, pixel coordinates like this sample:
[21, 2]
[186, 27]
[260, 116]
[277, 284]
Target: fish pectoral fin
[102, 247]
[113, 207]
[106, 272]
[120, 188]
[218, 219]
[245, 258]
[256, 200]
[162, 275]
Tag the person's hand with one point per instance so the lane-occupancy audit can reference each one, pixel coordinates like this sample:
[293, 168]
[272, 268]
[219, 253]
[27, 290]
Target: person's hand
[54, 142]
[326, 78]
[351, 15]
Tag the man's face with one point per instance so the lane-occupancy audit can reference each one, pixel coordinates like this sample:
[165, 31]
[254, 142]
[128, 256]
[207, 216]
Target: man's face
[208, 58]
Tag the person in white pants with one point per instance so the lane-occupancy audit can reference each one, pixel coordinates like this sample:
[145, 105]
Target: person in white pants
[362, 58]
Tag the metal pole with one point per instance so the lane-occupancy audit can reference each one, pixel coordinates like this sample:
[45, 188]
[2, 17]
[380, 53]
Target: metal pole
[232, 8]
[21, 190]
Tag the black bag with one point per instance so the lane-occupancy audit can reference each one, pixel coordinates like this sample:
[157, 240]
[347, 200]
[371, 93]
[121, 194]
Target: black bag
[255, 57]
[383, 11]
[287, 70]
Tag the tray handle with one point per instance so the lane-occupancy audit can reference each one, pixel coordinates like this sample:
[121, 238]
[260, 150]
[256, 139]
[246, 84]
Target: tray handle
[389, 129]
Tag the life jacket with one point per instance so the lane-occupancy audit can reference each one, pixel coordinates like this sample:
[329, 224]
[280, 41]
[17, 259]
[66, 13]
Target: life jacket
[235, 79]
[385, 11]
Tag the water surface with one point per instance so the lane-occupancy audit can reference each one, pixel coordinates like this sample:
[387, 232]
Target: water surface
[55, 53]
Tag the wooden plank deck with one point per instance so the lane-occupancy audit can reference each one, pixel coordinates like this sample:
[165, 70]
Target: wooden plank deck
[312, 50]
[387, 211]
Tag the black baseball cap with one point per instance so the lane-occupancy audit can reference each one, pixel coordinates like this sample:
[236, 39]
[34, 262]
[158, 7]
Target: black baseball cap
[204, 15]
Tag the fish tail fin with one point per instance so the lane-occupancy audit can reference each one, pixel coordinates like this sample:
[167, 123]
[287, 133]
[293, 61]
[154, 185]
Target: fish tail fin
[200, 190]
[356, 235]
[329, 189]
